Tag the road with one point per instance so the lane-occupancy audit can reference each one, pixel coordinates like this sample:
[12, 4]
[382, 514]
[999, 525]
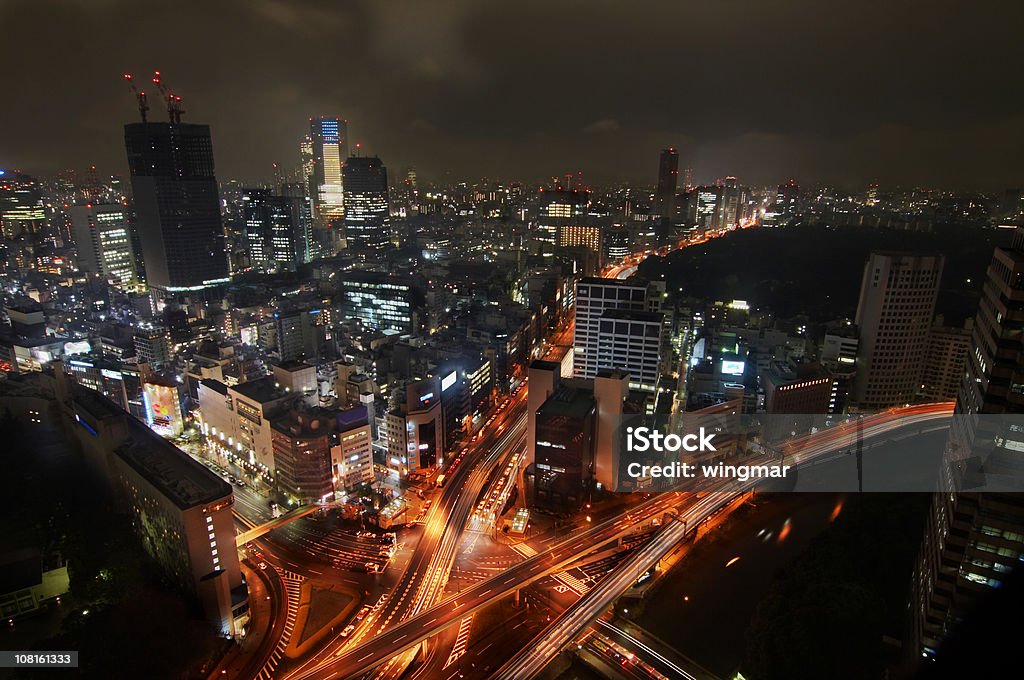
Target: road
[810, 449]
[424, 577]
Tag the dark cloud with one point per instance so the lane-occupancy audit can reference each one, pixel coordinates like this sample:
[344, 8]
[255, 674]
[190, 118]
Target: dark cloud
[913, 92]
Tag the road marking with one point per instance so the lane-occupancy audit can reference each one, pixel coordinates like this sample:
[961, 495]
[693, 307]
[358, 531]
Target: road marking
[460, 641]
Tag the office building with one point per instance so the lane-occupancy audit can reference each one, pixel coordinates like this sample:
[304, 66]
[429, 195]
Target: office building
[103, 239]
[668, 181]
[22, 211]
[582, 236]
[974, 540]
[561, 478]
[380, 301]
[945, 361]
[616, 243]
[631, 340]
[324, 153]
[177, 205]
[595, 297]
[708, 208]
[153, 347]
[559, 207]
[367, 224]
[786, 206]
[275, 230]
[894, 317]
[415, 430]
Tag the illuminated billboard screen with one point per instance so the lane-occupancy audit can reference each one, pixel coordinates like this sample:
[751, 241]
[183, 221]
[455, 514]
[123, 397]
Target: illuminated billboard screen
[163, 410]
[732, 367]
[447, 381]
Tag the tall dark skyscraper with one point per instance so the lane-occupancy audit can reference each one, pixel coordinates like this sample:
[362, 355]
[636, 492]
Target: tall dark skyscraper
[668, 179]
[366, 205]
[177, 205]
[974, 540]
[275, 230]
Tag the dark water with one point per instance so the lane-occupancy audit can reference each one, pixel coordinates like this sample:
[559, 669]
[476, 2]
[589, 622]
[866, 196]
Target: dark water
[710, 626]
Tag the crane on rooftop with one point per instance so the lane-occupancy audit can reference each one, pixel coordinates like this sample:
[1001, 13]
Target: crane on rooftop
[139, 95]
[174, 107]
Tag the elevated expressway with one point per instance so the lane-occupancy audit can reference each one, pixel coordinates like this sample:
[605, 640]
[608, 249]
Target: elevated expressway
[428, 621]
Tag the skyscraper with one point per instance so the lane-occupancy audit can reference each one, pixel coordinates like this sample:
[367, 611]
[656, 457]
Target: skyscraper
[325, 151]
[21, 205]
[894, 315]
[611, 331]
[973, 540]
[668, 180]
[366, 205]
[559, 208]
[103, 240]
[275, 230]
[177, 205]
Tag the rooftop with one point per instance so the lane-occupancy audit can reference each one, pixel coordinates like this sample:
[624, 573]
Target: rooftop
[570, 402]
[261, 391]
[174, 473]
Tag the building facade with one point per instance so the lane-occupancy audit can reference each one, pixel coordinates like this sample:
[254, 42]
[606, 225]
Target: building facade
[894, 316]
[177, 205]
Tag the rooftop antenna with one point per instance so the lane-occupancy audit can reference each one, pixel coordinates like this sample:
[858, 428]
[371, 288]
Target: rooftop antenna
[140, 96]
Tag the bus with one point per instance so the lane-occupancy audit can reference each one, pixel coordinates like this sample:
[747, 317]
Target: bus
[440, 481]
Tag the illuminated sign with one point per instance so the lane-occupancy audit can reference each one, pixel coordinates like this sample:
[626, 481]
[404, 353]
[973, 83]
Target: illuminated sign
[113, 375]
[426, 397]
[163, 410]
[733, 367]
[79, 347]
[448, 381]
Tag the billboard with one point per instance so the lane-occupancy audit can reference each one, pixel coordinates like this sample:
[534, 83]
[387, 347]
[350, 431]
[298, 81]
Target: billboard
[730, 367]
[448, 381]
[163, 409]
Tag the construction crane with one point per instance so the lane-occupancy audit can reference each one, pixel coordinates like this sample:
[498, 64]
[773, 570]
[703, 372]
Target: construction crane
[174, 108]
[140, 96]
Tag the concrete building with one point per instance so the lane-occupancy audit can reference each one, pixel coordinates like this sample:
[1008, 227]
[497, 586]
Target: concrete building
[236, 421]
[321, 452]
[894, 315]
[103, 239]
[561, 478]
[595, 297]
[974, 540]
[945, 362]
[631, 341]
[181, 511]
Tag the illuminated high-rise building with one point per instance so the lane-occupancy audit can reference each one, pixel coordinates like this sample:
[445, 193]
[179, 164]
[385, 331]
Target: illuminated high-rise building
[894, 315]
[366, 205]
[559, 207]
[668, 180]
[177, 205]
[325, 151]
[688, 179]
[275, 230]
[580, 235]
[21, 205]
[708, 208]
[104, 243]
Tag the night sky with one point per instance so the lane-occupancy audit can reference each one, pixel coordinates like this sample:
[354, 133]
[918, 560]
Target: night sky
[899, 92]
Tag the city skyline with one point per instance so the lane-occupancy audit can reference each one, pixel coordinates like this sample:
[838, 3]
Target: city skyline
[903, 112]
[494, 342]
